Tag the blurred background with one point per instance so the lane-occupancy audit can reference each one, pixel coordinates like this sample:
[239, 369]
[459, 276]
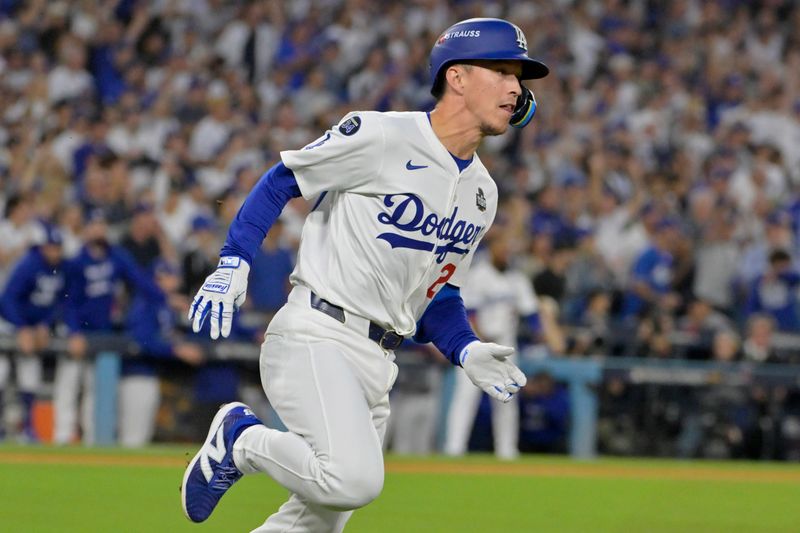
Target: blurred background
[653, 204]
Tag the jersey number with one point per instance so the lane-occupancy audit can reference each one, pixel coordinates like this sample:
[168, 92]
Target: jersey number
[447, 271]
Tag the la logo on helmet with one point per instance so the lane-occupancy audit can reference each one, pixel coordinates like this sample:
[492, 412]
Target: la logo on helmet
[521, 41]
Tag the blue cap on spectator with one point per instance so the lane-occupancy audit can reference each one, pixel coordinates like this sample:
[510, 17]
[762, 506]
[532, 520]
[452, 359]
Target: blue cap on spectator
[50, 234]
[203, 222]
[572, 178]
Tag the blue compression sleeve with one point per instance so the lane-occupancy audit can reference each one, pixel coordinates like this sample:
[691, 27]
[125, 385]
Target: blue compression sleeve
[259, 212]
[445, 324]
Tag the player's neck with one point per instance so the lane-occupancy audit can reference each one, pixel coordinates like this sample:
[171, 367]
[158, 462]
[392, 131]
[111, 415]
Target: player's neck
[455, 130]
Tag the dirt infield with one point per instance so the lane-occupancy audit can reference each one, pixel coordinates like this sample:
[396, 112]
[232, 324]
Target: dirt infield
[602, 471]
[679, 471]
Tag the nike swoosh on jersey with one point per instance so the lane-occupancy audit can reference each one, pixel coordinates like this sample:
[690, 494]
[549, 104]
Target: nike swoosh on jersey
[409, 166]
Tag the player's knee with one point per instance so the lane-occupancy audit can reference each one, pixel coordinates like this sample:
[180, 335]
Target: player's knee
[354, 488]
[360, 490]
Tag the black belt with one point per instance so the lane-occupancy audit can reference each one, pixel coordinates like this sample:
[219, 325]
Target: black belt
[386, 339]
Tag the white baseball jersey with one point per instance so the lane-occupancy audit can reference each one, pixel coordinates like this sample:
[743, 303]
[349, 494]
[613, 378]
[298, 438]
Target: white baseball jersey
[499, 298]
[394, 220]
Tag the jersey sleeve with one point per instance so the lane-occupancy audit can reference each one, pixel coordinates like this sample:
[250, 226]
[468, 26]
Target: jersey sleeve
[348, 157]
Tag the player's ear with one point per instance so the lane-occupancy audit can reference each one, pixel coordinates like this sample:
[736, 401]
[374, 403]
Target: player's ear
[454, 76]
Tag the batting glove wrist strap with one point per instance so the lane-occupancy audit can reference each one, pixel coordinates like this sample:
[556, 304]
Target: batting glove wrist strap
[487, 366]
[223, 292]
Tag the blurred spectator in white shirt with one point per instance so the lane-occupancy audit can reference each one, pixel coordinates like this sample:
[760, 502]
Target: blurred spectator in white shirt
[70, 79]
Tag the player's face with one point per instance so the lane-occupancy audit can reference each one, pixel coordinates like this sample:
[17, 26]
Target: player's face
[491, 93]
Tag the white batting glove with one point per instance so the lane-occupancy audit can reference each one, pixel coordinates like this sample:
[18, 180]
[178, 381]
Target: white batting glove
[223, 292]
[487, 366]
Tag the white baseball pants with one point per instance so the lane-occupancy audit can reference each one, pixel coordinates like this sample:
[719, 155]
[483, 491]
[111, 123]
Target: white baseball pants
[29, 372]
[330, 385]
[72, 375]
[139, 398]
[461, 415]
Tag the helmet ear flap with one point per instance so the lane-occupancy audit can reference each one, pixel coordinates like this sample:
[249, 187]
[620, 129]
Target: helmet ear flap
[524, 110]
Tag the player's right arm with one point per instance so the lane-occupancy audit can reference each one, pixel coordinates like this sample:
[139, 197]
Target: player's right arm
[344, 158]
[225, 289]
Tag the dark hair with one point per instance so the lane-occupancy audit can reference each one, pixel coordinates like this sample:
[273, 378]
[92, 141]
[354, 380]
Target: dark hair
[14, 202]
[437, 91]
[779, 255]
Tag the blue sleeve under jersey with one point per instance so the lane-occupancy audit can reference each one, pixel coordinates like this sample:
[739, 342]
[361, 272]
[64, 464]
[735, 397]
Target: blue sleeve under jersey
[260, 210]
[445, 324]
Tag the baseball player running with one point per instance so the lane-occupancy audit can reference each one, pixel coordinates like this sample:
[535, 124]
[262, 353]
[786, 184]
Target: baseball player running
[401, 203]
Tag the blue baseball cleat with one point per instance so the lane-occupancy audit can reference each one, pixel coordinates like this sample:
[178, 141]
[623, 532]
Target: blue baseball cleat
[212, 471]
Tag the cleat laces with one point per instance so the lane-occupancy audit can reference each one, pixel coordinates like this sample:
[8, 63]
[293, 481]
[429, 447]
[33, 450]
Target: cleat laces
[224, 477]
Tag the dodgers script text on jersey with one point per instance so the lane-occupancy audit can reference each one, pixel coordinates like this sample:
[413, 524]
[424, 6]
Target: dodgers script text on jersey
[409, 216]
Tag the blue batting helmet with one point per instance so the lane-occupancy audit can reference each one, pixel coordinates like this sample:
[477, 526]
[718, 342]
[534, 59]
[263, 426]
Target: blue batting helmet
[483, 38]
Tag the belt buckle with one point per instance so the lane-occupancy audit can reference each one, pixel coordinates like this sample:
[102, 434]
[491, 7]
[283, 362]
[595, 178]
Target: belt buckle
[390, 340]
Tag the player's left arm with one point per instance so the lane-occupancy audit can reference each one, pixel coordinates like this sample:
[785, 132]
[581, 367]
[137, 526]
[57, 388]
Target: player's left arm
[445, 324]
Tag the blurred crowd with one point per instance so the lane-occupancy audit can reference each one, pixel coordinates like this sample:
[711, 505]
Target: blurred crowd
[655, 198]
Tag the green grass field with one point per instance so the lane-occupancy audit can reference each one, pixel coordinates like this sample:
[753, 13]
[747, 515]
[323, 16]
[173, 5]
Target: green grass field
[45, 489]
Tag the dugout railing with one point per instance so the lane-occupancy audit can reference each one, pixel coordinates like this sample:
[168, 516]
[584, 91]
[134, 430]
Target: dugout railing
[581, 375]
